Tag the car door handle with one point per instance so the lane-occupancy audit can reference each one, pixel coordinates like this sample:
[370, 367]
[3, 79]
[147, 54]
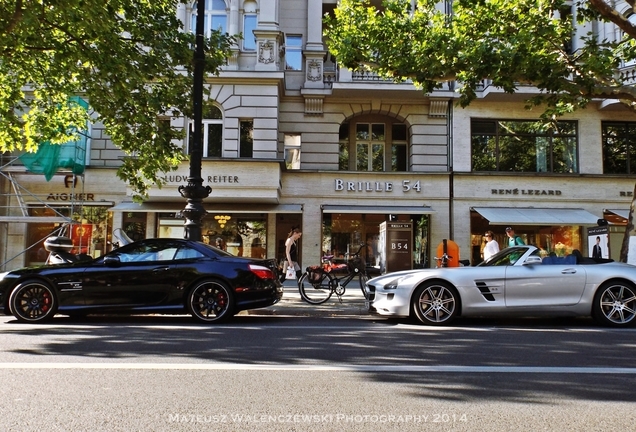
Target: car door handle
[160, 269]
[568, 271]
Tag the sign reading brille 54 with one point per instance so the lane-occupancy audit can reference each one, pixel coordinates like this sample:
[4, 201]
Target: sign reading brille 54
[375, 186]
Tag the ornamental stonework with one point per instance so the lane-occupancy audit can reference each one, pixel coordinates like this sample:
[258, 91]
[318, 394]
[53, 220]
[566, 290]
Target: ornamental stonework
[314, 70]
[266, 52]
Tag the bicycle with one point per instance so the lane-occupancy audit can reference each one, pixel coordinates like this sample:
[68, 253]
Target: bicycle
[443, 260]
[318, 283]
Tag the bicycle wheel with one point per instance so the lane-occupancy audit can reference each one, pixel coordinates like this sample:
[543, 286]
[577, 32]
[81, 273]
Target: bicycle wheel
[363, 281]
[315, 292]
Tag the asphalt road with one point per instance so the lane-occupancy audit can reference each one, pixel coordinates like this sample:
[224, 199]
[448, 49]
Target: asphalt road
[295, 367]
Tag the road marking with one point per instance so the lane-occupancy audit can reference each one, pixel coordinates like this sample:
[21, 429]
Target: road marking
[332, 368]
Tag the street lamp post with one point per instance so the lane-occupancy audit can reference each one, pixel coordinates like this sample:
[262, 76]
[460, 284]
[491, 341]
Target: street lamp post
[194, 191]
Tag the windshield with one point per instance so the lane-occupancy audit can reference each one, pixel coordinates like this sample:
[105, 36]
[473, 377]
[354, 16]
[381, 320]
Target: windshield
[508, 256]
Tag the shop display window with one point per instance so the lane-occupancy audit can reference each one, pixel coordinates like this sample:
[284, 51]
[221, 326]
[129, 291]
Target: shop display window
[343, 233]
[241, 234]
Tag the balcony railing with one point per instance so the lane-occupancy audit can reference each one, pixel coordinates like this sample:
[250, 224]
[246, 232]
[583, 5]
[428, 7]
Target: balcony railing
[336, 74]
[627, 74]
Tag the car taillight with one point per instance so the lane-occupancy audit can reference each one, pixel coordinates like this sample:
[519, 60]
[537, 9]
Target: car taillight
[261, 272]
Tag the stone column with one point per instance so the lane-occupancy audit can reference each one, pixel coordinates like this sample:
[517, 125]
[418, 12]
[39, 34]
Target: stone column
[268, 37]
[314, 51]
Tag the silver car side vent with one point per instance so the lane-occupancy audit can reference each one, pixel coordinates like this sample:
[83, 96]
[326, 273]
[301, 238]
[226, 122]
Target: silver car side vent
[485, 291]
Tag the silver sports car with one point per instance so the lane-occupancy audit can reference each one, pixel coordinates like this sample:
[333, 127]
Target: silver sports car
[516, 281]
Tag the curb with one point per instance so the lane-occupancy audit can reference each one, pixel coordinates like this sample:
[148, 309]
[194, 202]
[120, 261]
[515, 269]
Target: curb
[292, 305]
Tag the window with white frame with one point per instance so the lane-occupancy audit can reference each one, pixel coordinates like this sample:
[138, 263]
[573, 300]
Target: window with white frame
[293, 52]
[215, 16]
[249, 25]
[292, 151]
[212, 132]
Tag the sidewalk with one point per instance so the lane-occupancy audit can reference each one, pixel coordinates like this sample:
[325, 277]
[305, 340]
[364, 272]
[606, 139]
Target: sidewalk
[292, 304]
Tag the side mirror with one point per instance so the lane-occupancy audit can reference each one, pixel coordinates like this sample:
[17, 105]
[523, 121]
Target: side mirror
[111, 261]
[533, 260]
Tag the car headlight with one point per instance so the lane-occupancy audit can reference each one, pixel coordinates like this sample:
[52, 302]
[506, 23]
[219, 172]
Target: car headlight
[393, 284]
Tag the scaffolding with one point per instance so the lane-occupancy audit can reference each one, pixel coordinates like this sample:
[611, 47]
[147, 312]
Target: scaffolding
[20, 205]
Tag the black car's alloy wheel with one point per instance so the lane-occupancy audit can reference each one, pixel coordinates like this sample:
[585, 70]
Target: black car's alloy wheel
[435, 303]
[211, 301]
[33, 301]
[615, 304]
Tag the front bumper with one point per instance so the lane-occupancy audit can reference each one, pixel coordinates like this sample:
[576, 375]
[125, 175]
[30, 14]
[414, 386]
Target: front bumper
[388, 302]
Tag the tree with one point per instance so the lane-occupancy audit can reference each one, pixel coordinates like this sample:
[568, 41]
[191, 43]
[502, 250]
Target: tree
[510, 42]
[130, 59]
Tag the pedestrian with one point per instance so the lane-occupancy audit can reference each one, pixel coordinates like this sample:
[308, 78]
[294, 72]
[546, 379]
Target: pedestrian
[491, 247]
[513, 240]
[220, 243]
[291, 252]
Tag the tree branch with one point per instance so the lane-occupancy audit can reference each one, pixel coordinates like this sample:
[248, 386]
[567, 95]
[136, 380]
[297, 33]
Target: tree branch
[15, 18]
[614, 16]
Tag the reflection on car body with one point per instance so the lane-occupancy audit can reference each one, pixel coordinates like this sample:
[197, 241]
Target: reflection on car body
[169, 276]
[515, 281]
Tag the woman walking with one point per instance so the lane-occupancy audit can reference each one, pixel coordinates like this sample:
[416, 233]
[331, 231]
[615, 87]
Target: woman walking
[291, 251]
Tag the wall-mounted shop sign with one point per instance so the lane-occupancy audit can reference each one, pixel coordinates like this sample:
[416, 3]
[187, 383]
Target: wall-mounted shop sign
[70, 197]
[541, 192]
[376, 186]
[70, 182]
[171, 179]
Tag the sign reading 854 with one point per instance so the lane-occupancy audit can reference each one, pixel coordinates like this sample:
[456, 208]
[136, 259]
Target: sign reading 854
[399, 245]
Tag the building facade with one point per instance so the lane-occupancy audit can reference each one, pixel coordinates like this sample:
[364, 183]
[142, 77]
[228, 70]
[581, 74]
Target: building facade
[293, 139]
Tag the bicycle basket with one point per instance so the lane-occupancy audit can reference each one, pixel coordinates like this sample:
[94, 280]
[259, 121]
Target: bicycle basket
[314, 274]
[356, 265]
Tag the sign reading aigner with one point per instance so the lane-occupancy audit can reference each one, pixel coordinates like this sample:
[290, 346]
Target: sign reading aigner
[375, 186]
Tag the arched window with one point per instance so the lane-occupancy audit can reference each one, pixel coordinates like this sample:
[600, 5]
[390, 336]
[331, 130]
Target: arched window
[212, 132]
[215, 16]
[373, 143]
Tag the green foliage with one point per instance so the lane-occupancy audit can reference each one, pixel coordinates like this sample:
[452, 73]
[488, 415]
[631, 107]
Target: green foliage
[509, 42]
[129, 58]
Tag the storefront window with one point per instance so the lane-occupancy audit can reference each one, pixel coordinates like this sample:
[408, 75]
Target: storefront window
[557, 240]
[241, 234]
[344, 233]
[90, 235]
[134, 225]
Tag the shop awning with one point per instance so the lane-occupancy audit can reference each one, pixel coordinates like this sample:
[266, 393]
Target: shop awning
[536, 216]
[619, 212]
[173, 207]
[377, 209]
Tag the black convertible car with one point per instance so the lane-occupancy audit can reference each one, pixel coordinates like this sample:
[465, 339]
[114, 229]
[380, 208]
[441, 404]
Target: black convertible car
[165, 276]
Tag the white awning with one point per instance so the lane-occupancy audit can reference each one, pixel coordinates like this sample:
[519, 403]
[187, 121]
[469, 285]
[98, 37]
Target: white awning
[536, 216]
[377, 209]
[173, 207]
[619, 212]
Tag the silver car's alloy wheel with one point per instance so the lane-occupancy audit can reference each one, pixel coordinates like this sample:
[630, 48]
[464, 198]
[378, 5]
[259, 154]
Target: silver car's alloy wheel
[435, 303]
[210, 301]
[615, 304]
[33, 301]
